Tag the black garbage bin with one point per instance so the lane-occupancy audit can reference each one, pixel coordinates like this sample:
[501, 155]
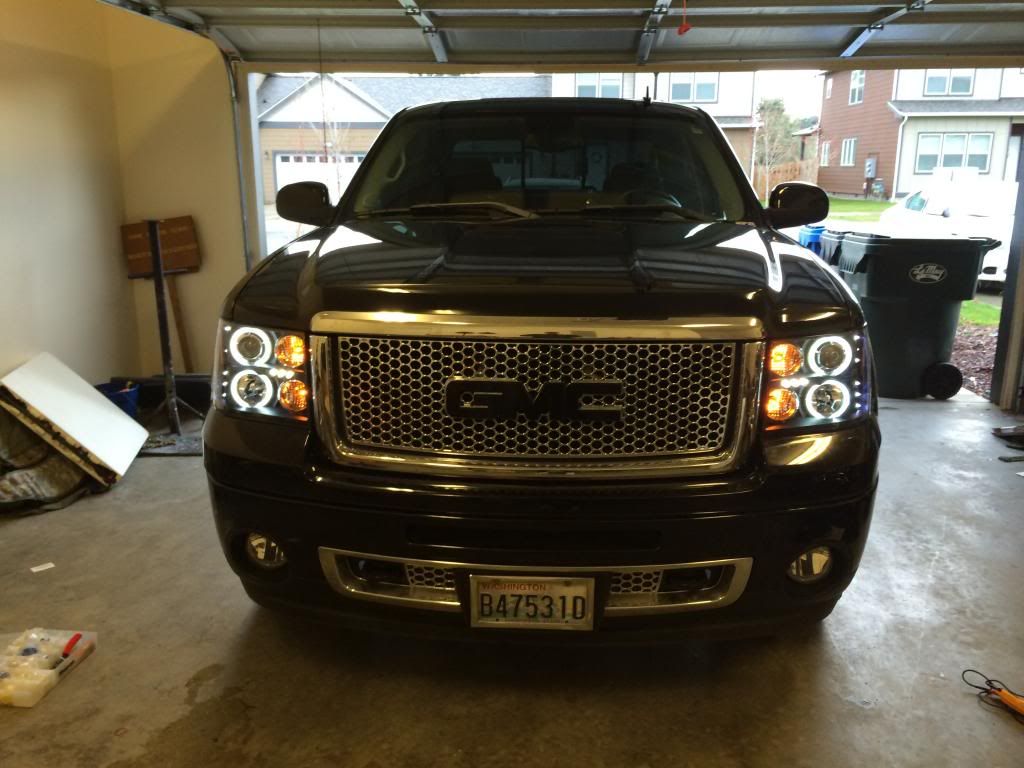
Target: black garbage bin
[911, 290]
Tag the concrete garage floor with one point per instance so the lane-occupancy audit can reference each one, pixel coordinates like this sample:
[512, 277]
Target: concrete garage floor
[189, 673]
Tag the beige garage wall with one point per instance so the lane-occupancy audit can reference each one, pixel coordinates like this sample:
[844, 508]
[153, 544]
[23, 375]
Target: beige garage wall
[176, 150]
[62, 283]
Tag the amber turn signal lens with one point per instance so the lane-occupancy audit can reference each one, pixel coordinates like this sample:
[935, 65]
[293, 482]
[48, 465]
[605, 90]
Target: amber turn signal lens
[290, 351]
[294, 395]
[785, 359]
[781, 405]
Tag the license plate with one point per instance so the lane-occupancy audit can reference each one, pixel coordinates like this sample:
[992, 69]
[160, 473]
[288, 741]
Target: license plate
[531, 602]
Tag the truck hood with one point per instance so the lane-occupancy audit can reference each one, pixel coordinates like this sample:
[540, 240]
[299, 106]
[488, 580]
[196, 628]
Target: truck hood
[579, 267]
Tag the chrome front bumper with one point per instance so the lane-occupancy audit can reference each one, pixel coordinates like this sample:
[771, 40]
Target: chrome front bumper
[725, 589]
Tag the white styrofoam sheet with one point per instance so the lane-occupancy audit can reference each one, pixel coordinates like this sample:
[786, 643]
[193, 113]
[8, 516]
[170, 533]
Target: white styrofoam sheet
[77, 409]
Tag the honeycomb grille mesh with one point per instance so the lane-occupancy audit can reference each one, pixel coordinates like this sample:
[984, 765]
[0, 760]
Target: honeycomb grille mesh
[429, 576]
[635, 582]
[675, 396]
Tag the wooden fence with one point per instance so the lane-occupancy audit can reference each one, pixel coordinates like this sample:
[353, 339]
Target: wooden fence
[801, 170]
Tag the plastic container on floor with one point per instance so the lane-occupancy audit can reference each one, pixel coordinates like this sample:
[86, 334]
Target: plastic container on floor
[124, 396]
[810, 237]
[911, 291]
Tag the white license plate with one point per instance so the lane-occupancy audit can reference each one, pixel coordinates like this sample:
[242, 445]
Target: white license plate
[531, 602]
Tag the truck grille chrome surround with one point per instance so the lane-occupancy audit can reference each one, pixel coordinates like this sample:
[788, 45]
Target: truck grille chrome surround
[686, 400]
[638, 589]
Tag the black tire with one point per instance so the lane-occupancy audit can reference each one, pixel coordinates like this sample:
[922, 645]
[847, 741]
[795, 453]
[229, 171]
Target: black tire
[942, 380]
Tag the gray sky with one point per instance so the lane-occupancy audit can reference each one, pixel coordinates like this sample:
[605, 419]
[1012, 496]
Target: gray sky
[800, 89]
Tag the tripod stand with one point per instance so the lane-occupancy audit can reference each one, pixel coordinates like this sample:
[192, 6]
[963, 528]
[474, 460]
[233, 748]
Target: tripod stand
[171, 401]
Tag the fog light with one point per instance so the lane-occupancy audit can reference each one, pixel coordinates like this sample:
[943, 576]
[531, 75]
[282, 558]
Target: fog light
[264, 551]
[811, 566]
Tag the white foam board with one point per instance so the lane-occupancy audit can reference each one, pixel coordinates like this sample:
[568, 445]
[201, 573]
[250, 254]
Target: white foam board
[74, 407]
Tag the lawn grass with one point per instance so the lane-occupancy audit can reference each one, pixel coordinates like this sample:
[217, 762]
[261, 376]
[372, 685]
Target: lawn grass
[979, 313]
[857, 210]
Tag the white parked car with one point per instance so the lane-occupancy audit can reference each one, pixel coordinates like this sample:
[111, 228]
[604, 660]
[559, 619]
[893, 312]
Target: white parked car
[963, 207]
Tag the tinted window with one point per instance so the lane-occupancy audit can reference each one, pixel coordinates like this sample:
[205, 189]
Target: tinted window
[552, 160]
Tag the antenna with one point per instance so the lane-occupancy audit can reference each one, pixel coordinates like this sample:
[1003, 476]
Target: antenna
[647, 97]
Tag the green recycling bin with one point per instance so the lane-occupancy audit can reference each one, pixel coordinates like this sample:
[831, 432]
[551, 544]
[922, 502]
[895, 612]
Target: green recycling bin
[911, 290]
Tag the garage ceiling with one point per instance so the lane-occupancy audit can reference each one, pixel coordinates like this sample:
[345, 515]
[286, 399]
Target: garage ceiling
[554, 35]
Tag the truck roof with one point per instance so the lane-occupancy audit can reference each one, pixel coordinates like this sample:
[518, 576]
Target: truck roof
[553, 104]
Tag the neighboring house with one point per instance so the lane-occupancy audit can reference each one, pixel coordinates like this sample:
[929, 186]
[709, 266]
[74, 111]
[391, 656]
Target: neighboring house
[858, 132]
[299, 115]
[900, 127]
[727, 96]
[808, 138]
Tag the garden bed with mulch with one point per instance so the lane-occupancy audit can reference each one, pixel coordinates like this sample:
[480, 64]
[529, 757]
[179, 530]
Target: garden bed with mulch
[974, 353]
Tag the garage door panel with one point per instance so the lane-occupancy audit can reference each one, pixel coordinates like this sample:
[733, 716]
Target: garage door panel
[606, 34]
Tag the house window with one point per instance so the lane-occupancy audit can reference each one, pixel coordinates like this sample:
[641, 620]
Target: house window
[979, 151]
[948, 82]
[826, 150]
[954, 147]
[828, 88]
[693, 87]
[849, 153]
[953, 150]
[857, 78]
[606, 85]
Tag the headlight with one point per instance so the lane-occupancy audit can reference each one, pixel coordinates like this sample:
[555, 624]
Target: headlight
[261, 370]
[817, 381]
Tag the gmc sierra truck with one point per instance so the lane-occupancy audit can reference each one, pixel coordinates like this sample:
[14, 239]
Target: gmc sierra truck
[547, 365]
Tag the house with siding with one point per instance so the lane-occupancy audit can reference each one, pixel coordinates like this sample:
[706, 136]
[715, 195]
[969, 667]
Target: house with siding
[319, 129]
[894, 130]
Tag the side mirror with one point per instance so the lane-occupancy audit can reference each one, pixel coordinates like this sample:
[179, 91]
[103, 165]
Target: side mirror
[794, 203]
[307, 202]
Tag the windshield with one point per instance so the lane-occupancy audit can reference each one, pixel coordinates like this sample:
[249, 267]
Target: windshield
[552, 162]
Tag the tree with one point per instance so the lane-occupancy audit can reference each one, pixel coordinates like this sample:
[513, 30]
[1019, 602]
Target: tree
[776, 144]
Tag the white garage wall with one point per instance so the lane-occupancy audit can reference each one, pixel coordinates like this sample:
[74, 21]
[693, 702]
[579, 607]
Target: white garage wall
[177, 156]
[62, 279]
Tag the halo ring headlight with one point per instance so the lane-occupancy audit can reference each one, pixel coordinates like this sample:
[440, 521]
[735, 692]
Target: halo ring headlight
[834, 393]
[239, 342]
[829, 343]
[252, 379]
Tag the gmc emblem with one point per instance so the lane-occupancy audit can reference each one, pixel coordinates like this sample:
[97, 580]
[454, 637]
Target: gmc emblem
[505, 398]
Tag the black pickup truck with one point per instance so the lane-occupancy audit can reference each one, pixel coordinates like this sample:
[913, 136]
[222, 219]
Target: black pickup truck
[547, 365]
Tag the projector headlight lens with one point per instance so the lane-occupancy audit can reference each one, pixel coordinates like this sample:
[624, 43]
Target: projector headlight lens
[828, 400]
[251, 390]
[830, 356]
[250, 346]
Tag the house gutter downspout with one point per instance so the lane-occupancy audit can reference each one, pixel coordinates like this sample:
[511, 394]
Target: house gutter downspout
[899, 152]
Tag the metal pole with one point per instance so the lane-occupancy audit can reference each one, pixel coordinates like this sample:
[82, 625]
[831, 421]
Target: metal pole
[170, 394]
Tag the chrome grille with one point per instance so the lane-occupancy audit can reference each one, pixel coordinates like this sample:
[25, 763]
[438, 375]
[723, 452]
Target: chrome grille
[636, 582]
[676, 396]
[429, 576]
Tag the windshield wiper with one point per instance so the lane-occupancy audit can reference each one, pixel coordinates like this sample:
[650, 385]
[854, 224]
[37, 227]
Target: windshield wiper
[683, 213]
[428, 209]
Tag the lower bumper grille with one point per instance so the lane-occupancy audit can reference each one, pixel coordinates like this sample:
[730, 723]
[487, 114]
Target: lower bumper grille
[639, 589]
